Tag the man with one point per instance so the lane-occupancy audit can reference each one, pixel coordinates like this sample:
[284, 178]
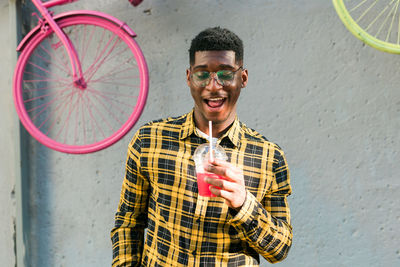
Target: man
[249, 215]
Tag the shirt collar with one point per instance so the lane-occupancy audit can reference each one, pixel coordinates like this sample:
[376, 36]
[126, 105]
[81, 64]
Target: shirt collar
[234, 133]
[187, 126]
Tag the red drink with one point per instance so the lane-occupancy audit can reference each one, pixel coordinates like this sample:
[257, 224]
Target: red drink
[204, 188]
[201, 159]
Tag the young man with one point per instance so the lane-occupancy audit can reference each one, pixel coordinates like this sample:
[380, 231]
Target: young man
[249, 215]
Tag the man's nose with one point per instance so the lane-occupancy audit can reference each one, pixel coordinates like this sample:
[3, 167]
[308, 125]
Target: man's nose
[213, 84]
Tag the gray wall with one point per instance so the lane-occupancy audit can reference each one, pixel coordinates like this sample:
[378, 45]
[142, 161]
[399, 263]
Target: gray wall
[9, 137]
[332, 104]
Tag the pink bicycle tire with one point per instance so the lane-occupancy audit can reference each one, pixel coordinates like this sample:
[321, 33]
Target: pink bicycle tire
[37, 62]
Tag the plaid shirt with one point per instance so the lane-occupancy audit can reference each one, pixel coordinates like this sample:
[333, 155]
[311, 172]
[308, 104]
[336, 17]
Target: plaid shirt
[159, 193]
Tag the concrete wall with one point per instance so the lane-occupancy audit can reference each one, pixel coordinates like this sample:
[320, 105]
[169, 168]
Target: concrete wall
[331, 102]
[9, 137]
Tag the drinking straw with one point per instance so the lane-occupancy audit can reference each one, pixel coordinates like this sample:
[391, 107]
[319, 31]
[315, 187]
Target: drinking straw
[210, 140]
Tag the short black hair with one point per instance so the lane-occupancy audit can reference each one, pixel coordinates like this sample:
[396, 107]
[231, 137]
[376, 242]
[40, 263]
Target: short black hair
[216, 39]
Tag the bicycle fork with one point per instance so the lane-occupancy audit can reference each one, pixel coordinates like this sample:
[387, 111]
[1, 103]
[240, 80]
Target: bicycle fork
[77, 73]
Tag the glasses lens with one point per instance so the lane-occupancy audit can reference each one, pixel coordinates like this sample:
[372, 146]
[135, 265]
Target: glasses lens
[201, 75]
[225, 75]
[201, 78]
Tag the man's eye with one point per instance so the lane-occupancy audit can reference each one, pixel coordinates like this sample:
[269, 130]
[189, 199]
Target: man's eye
[225, 75]
[202, 75]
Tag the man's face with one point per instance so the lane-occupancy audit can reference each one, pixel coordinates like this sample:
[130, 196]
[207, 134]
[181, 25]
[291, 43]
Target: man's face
[213, 101]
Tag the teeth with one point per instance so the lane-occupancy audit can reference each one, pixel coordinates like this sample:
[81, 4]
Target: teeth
[216, 99]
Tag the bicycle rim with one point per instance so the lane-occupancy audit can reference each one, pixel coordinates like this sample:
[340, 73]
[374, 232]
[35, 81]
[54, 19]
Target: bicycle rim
[375, 22]
[81, 120]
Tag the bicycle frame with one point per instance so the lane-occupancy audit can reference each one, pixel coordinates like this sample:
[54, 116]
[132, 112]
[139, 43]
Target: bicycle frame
[48, 20]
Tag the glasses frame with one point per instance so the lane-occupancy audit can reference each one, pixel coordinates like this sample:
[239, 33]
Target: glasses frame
[213, 75]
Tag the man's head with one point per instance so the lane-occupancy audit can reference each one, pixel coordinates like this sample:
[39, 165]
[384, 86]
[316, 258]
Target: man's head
[217, 39]
[216, 76]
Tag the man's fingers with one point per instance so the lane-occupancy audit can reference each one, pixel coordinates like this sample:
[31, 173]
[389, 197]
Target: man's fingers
[219, 192]
[222, 163]
[231, 173]
[223, 184]
[216, 169]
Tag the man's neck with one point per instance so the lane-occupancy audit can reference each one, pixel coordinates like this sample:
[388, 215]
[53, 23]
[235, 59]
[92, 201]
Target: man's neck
[218, 129]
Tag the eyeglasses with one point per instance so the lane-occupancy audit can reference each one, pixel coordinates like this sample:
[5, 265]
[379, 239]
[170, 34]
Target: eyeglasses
[224, 77]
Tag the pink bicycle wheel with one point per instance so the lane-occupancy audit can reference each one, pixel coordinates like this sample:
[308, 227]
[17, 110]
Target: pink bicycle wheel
[71, 119]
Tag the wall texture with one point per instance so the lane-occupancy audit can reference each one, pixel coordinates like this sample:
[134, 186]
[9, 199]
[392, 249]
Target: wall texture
[332, 104]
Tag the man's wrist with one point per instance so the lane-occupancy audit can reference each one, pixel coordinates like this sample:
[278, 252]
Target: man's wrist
[235, 211]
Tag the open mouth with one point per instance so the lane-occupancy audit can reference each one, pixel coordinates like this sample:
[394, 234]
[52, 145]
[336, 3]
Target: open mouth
[215, 102]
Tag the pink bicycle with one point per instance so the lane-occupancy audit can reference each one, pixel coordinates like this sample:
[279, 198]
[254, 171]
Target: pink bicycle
[81, 80]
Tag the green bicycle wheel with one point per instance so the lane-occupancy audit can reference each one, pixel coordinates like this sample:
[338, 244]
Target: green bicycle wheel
[375, 22]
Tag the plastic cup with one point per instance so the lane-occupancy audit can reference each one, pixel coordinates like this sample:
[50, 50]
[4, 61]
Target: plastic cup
[201, 157]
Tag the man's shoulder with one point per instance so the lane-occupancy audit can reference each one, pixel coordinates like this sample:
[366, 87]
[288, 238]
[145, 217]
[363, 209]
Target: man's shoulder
[178, 120]
[171, 123]
[255, 137]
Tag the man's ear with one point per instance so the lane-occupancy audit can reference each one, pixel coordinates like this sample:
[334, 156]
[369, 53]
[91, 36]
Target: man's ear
[245, 77]
[188, 77]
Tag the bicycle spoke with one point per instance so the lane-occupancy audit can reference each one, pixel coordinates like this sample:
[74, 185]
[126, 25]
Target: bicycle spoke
[93, 118]
[385, 20]
[85, 106]
[111, 101]
[42, 80]
[110, 93]
[62, 103]
[64, 67]
[111, 78]
[357, 6]
[42, 69]
[113, 73]
[101, 115]
[103, 94]
[366, 11]
[28, 73]
[98, 53]
[107, 109]
[116, 83]
[39, 97]
[96, 65]
[398, 31]
[27, 91]
[65, 125]
[376, 18]
[76, 121]
[61, 57]
[45, 106]
[84, 51]
[394, 11]
[58, 116]
[83, 122]
[83, 42]
[61, 66]
[116, 54]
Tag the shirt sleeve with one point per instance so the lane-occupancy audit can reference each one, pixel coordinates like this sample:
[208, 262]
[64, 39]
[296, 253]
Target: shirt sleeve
[266, 225]
[130, 219]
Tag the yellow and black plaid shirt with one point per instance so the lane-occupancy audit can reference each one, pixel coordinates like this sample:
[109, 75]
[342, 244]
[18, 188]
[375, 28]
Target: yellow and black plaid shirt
[159, 193]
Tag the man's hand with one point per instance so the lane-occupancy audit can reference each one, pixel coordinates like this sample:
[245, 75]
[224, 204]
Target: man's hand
[231, 187]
